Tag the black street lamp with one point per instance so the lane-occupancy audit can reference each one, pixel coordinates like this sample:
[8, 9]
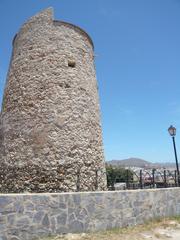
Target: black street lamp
[172, 132]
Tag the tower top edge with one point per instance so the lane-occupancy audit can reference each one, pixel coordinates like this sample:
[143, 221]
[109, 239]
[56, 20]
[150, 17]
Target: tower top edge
[48, 14]
[59, 22]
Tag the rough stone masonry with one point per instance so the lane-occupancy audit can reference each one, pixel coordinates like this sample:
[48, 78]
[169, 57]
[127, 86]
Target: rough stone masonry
[32, 216]
[50, 132]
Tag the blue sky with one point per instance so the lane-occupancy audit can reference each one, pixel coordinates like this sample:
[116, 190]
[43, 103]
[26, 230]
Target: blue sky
[137, 47]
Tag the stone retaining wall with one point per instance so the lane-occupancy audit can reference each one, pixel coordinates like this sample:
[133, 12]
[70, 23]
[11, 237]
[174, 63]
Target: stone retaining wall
[28, 216]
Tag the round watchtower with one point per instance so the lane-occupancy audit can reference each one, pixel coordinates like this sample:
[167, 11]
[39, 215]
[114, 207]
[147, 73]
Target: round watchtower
[50, 134]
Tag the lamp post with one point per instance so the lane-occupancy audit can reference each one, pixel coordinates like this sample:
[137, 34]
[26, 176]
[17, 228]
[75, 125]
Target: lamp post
[172, 132]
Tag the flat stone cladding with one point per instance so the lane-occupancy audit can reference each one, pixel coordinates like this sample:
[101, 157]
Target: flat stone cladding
[50, 130]
[29, 216]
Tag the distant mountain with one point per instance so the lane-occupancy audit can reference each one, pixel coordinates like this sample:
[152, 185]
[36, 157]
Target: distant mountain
[130, 162]
[141, 163]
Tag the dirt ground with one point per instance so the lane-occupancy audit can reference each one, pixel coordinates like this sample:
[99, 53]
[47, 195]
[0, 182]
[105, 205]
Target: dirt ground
[156, 230]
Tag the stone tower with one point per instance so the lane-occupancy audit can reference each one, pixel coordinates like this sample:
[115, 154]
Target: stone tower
[50, 132]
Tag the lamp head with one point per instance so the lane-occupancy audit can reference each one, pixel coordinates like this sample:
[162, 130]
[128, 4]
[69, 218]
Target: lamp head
[172, 131]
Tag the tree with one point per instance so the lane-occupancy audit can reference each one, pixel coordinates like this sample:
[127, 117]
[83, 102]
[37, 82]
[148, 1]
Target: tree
[117, 174]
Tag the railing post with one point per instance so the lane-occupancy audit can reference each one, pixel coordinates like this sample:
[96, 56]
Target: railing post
[141, 184]
[153, 178]
[78, 181]
[96, 181]
[175, 177]
[165, 179]
[127, 178]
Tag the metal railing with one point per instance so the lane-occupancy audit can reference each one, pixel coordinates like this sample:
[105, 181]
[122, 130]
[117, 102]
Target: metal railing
[144, 179]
